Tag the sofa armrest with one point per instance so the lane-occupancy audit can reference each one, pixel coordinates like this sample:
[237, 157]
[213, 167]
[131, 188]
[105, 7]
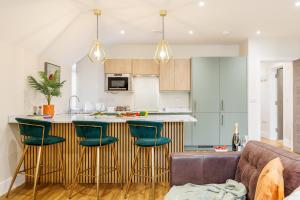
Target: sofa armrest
[202, 168]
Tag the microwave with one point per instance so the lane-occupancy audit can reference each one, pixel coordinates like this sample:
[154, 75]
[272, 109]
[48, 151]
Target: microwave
[118, 82]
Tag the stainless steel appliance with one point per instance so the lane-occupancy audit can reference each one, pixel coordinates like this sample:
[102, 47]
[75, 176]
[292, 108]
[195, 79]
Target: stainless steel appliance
[118, 82]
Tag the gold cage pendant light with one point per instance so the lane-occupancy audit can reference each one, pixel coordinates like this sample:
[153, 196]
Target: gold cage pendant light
[97, 53]
[163, 51]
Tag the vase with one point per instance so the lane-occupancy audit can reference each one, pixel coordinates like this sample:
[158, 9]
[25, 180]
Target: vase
[48, 110]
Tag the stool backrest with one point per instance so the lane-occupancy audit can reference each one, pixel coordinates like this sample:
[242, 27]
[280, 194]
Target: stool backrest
[90, 129]
[145, 129]
[34, 128]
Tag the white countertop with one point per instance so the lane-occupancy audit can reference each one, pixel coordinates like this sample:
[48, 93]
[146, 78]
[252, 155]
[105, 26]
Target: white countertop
[65, 118]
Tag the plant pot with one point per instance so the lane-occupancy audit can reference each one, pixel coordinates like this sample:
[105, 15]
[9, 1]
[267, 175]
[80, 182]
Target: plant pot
[48, 110]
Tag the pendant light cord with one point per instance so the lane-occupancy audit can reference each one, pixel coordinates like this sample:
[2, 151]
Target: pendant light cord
[163, 27]
[97, 26]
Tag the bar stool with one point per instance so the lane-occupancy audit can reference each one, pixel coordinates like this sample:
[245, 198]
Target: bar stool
[93, 134]
[36, 133]
[147, 136]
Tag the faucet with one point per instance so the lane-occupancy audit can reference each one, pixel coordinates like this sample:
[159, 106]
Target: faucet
[71, 97]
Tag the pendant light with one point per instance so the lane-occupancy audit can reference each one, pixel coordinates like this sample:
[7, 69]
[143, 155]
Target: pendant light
[97, 53]
[162, 52]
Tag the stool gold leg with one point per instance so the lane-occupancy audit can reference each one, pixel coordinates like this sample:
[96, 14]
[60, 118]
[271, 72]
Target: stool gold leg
[132, 171]
[62, 165]
[117, 165]
[37, 170]
[146, 165]
[167, 156]
[152, 173]
[94, 162]
[98, 171]
[17, 170]
[77, 171]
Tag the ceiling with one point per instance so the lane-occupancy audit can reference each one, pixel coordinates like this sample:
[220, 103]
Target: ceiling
[37, 24]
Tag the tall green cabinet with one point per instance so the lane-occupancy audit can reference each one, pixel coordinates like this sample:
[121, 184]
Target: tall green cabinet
[219, 99]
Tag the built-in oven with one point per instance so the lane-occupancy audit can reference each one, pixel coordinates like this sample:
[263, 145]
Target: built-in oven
[118, 82]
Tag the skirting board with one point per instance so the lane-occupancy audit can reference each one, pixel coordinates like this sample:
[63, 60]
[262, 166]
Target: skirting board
[4, 185]
[268, 135]
[287, 143]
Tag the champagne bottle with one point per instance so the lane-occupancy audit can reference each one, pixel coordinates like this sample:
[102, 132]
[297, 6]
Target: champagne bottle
[235, 138]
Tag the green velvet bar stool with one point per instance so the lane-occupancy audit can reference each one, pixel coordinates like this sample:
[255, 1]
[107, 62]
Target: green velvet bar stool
[36, 133]
[93, 134]
[147, 136]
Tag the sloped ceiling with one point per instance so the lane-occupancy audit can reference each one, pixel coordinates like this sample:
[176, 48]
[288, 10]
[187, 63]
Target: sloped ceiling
[45, 25]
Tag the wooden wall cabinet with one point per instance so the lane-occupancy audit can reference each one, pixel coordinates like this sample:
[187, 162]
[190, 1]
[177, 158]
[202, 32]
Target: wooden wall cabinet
[175, 75]
[182, 74]
[167, 76]
[118, 66]
[145, 67]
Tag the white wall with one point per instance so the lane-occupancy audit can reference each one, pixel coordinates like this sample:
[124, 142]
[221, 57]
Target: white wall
[262, 49]
[13, 63]
[91, 75]
[267, 99]
[179, 51]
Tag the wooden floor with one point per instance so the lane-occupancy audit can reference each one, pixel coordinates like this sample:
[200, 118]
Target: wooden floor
[276, 143]
[88, 192]
[107, 192]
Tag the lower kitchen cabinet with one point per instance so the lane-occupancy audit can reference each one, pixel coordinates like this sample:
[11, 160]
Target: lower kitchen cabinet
[227, 121]
[206, 129]
[188, 134]
[214, 129]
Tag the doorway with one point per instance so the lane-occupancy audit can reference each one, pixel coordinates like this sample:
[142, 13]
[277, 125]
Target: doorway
[276, 101]
[279, 103]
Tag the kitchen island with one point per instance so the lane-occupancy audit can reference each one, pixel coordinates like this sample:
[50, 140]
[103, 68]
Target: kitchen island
[62, 126]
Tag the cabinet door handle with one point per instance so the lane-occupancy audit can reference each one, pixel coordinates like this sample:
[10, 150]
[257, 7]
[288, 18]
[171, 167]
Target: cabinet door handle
[222, 120]
[222, 105]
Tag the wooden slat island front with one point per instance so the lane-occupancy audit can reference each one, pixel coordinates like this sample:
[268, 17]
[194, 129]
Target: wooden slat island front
[173, 128]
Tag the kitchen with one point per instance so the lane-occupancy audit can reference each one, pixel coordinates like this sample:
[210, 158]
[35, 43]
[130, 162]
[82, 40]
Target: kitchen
[129, 86]
[123, 99]
[143, 85]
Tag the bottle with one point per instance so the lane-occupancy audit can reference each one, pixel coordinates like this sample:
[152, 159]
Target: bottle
[39, 112]
[35, 109]
[235, 138]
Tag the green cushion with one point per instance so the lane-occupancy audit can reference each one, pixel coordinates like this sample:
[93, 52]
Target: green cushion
[146, 142]
[90, 129]
[47, 141]
[33, 127]
[96, 141]
[145, 129]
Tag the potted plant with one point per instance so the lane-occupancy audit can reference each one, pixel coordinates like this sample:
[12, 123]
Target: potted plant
[49, 87]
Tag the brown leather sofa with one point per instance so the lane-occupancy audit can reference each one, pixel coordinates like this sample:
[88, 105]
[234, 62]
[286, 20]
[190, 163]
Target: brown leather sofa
[203, 168]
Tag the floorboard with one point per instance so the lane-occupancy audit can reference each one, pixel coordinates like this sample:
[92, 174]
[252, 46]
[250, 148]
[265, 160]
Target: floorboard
[88, 192]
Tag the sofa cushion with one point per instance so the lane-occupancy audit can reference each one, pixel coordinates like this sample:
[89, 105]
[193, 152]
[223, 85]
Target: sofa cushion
[254, 158]
[270, 182]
